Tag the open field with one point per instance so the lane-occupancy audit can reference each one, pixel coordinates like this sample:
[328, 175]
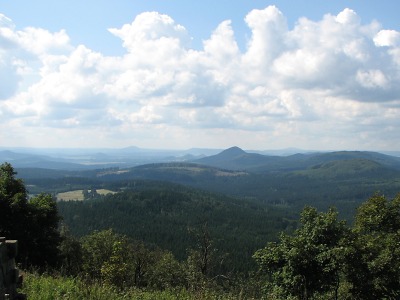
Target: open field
[104, 192]
[70, 196]
[77, 195]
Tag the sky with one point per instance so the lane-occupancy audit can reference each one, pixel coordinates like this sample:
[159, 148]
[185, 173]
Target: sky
[317, 75]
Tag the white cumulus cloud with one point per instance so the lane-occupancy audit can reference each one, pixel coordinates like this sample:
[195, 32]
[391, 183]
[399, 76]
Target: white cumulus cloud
[331, 78]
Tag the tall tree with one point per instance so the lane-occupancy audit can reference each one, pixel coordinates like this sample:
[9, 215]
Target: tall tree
[70, 253]
[308, 262]
[33, 222]
[13, 203]
[109, 257]
[373, 260]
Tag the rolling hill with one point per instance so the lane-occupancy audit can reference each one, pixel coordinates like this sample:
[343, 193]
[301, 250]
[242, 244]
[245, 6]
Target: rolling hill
[237, 159]
[167, 215]
[342, 179]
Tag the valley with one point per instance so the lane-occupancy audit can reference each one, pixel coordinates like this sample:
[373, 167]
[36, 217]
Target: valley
[342, 179]
[226, 206]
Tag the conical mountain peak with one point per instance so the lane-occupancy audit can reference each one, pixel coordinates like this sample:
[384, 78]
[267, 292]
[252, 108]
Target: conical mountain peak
[232, 152]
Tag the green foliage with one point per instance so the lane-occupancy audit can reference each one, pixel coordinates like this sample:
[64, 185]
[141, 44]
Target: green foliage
[105, 255]
[46, 287]
[195, 278]
[33, 222]
[166, 215]
[117, 269]
[378, 215]
[308, 262]
[324, 259]
[13, 203]
[341, 179]
[373, 259]
[117, 262]
[114, 261]
[71, 256]
[166, 273]
[45, 236]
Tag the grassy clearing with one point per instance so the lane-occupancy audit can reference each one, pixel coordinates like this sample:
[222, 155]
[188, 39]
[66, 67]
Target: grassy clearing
[104, 192]
[77, 195]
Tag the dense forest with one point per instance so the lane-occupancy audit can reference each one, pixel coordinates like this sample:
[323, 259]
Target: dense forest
[343, 180]
[155, 239]
[170, 216]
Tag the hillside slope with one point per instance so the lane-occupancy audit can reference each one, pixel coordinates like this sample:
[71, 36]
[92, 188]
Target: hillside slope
[166, 215]
[236, 159]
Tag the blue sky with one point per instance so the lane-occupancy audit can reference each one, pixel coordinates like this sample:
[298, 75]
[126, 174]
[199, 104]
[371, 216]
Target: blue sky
[86, 21]
[180, 74]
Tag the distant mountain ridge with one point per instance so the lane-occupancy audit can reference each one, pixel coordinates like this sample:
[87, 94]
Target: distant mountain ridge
[25, 160]
[342, 178]
[86, 159]
[233, 158]
[237, 159]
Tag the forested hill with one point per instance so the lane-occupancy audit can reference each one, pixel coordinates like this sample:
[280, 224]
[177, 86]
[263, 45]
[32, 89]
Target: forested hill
[177, 242]
[341, 179]
[170, 216]
[236, 159]
[233, 158]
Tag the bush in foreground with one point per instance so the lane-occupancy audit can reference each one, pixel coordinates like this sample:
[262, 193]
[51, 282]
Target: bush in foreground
[48, 287]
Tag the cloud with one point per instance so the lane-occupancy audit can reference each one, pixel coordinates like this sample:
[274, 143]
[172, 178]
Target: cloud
[8, 78]
[268, 28]
[149, 27]
[389, 38]
[316, 79]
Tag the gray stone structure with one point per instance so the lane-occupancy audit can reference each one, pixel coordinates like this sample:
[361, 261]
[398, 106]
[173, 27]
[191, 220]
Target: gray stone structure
[9, 275]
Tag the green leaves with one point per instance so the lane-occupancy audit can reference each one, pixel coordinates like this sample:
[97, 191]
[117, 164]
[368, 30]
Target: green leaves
[9, 185]
[378, 215]
[166, 272]
[33, 223]
[117, 269]
[374, 268]
[113, 259]
[325, 257]
[307, 262]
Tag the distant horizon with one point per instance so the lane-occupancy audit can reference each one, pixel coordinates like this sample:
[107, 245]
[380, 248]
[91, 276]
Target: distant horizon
[289, 149]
